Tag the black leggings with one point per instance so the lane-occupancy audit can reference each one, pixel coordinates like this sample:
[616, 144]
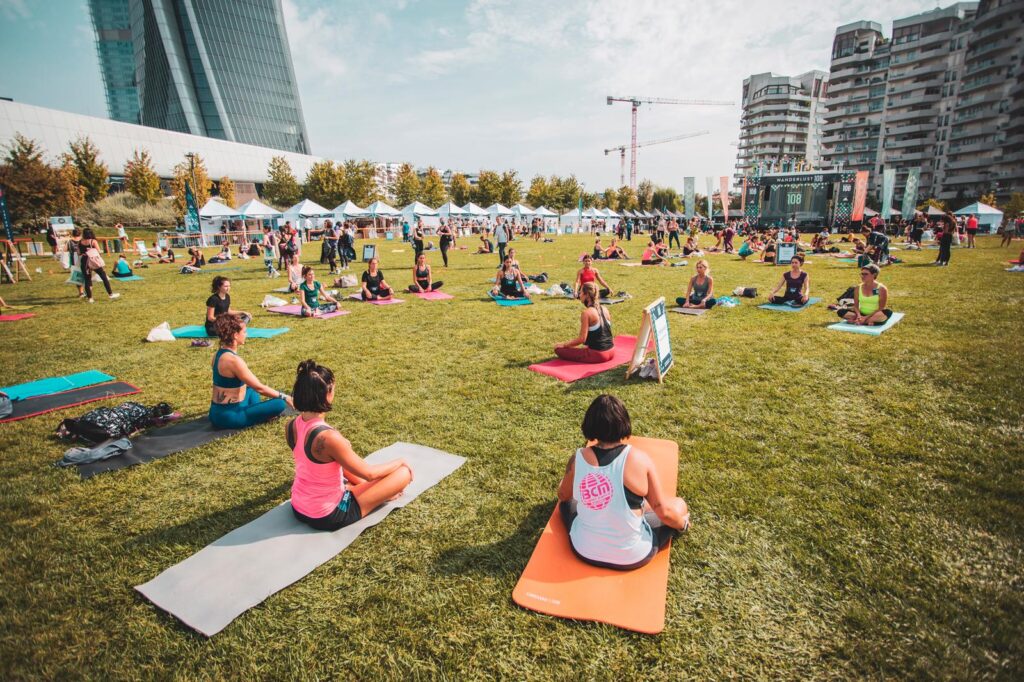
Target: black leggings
[339, 518]
[332, 252]
[779, 300]
[434, 286]
[418, 247]
[671, 236]
[662, 535]
[444, 250]
[87, 276]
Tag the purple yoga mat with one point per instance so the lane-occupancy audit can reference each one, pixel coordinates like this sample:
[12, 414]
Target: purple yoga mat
[296, 309]
[433, 296]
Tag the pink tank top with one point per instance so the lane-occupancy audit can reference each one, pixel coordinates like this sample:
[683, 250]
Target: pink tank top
[317, 488]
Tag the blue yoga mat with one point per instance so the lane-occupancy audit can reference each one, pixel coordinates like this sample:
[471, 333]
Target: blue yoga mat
[53, 385]
[196, 331]
[131, 278]
[863, 329]
[786, 308]
[511, 301]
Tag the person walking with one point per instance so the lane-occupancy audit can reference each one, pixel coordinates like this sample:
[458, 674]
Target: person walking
[92, 262]
[501, 236]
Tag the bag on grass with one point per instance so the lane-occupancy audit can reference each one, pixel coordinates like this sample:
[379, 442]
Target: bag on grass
[745, 292]
[161, 332]
[107, 423]
[348, 281]
[6, 406]
[272, 302]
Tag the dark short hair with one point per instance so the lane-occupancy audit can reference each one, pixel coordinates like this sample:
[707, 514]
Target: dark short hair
[872, 268]
[228, 325]
[312, 384]
[87, 233]
[217, 282]
[607, 420]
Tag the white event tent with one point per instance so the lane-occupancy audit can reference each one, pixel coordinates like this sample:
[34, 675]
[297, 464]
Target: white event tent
[301, 213]
[349, 210]
[417, 210]
[451, 210]
[474, 210]
[989, 218]
[495, 210]
[213, 215]
[523, 211]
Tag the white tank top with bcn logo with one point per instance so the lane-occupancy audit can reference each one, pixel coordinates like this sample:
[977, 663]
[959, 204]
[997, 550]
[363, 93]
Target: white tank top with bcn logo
[605, 528]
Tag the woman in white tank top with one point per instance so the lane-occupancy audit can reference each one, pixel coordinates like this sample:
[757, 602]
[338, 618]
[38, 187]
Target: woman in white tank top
[611, 499]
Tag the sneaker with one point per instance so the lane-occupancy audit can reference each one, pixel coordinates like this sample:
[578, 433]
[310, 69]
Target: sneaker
[81, 294]
[115, 295]
[200, 343]
[92, 300]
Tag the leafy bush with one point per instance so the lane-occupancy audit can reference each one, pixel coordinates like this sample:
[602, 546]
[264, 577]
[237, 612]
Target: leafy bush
[128, 210]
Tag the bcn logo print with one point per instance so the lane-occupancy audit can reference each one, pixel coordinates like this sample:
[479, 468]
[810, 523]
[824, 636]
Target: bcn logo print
[595, 491]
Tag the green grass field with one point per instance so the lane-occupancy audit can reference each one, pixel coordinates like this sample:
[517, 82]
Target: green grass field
[858, 503]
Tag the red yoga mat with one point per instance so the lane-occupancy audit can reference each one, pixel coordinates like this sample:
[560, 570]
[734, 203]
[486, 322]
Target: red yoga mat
[16, 316]
[433, 296]
[563, 370]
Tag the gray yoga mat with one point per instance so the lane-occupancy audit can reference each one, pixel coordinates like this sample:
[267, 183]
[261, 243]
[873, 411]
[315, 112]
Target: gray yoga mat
[225, 579]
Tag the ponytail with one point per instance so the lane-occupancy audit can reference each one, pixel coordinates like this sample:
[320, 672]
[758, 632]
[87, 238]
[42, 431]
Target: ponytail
[312, 384]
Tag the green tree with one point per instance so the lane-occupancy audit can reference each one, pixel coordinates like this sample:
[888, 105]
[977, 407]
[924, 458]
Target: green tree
[69, 196]
[1015, 206]
[325, 184]
[645, 194]
[611, 199]
[666, 199]
[360, 183]
[989, 199]
[140, 179]
[226, 189]
[407, 185]
[488, 188]
[700, 206]
[459, 189]
[281, 187]
[539, 193]
[198, 178]
[511, 188]
[32, 185]
[90, 172]
[432, 191]
[565, 192]
[941, 205]
[627, 198]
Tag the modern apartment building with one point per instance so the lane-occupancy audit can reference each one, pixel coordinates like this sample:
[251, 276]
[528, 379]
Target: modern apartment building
[782, 122]
[216, 68]
[984, 149]
[111, 21]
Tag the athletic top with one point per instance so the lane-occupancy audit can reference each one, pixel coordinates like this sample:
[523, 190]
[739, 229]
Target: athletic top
[606, 457]
[318, 486]
[700, 290]
[649, 254]
[219, 380]
[372, 282]
[794, 286]
[219, 305]
[311, 296]
[587, 275]
[122, 268]
[422, 277]
[869, 304]
[605, 528]
[599, 336]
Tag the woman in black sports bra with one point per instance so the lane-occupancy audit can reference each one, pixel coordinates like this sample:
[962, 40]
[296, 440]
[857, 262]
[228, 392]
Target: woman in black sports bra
[422, 281]
[595, 332]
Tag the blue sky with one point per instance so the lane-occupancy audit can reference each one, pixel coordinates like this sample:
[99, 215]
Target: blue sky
[470, 84]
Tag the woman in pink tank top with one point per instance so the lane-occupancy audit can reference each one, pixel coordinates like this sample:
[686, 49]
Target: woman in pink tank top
[333, 486]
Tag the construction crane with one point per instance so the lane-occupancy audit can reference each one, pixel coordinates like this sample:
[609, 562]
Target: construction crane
[622, 150]
[635, 103]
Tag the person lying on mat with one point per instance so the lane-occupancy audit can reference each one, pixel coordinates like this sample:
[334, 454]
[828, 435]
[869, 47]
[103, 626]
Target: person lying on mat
[509, 281]
[219, 303]
[589, 274]
[422, 279]
[312, 290]
[236, 400]
[121, 267]
[796, 282]
[614, 251]
[869, 300]
[610, 498]
[650, 255]
[325, 461]
[595, 332]
[375, 288]
[700, 293]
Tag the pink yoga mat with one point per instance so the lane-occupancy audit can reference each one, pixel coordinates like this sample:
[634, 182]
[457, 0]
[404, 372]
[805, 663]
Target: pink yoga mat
[15, 317]
[359, 297]
[433, 296]
[564, 370]
[296, 309]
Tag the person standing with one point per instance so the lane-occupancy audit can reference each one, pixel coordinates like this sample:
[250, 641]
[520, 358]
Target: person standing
[629, 229]
[417, 240]
[92, 262]
[501, 236]
[972, 231]
[447, 240]
[946, 240]
[673, 233]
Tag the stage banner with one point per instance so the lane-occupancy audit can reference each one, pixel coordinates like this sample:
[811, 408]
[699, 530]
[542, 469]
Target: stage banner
[888, 189]
[743, 198]
[910, 193]
[689, 194]
[860, 195]
[711, 190]
[723, 189]
[8, 231]
[191, 212]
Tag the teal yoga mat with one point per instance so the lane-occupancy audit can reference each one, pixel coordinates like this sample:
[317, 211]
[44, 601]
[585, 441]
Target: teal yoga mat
[870, 331]
[53, 385]
[506, 302]
[195, 331]
[785, 308]
[132, 278]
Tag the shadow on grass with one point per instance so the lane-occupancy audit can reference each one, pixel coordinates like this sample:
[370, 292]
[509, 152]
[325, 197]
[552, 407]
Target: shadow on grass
[506, 555]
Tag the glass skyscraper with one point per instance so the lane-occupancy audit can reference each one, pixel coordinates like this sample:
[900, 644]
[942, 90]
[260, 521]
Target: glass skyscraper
[218, 68]
[111, 20]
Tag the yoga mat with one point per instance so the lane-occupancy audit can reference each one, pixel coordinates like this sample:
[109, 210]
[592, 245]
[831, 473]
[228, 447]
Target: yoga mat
[563, 370]
[55, 384]
[639, 265]
[848, 261]
[16, 316]
[509, 302]
[23, 409]
[613, 301]
[689, 311]
[198, 331]
[359, 297]
[557, 583]
[864, 329]
[132, 278]
[296, 310]
[228, 577]
[433, 296]
[786, 308]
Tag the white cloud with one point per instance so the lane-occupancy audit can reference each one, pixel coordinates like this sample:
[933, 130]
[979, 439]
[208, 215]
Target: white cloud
[14, 9]
[315, 37]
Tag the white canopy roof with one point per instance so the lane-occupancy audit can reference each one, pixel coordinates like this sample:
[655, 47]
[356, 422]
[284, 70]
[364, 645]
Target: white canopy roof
[544, 212]
[213, 209]
[611, 214]
[379, 208]
[254, 208]
[451, 209]
[521, 210]
[473, 209]
[349, 210]
[498, 209]
[934, 211]
[593, 213]
[309, 209]
[416, 208]
[977, 208]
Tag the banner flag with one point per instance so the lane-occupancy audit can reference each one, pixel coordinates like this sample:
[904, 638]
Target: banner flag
[723, 189]
[743, 198]
[860, 195]
[8, 231]
[191, 212]
[910, 193]
[888, 189]
[689, 194]
[711, 190]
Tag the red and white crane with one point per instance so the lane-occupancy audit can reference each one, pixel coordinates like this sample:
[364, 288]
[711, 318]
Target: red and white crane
[635, 103]
[622, 150]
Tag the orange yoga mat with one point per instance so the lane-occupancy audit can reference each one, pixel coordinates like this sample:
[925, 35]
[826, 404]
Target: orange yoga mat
[555, 582]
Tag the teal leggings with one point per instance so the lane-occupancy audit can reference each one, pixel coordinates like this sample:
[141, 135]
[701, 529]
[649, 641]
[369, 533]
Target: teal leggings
[249, 412]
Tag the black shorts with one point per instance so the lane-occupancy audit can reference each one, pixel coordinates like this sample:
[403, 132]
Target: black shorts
[345, 514]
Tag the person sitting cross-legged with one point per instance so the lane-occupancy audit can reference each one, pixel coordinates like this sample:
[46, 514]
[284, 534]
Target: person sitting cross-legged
[870, 300]
[700, 293]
